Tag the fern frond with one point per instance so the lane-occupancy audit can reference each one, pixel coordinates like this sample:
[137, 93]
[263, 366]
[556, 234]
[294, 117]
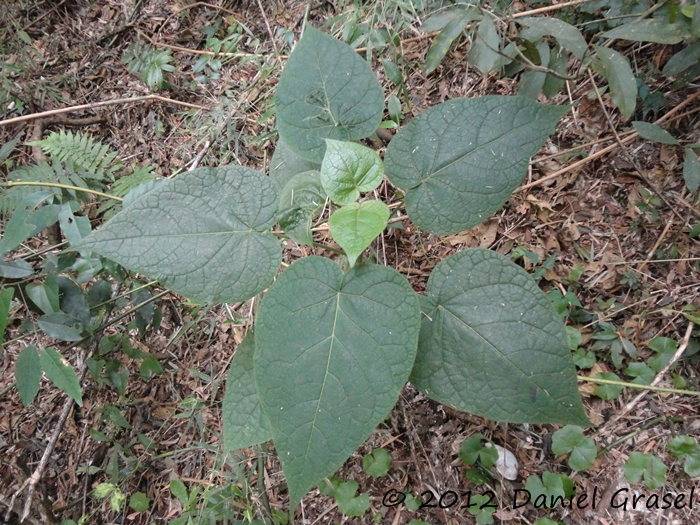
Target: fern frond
[11, 197]
[87, 155]
[124, 185]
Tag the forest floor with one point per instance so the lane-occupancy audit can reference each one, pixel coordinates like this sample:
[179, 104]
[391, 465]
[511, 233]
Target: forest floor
[612, 230]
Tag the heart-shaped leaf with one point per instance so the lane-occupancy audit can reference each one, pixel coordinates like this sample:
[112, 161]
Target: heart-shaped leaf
[355, 226]
[285, 164]
[333, 351]
[349, 169]
[300, 200]
[326, 91]
[490, 344]
[60, 373]
[244, 423]
[202, 234]
[460, 160]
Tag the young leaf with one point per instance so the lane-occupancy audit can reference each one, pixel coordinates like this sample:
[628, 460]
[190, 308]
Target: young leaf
[350, 340]
[654, 132]
[473, 449]
[285, 164]
[571, 439]
[202, 234]
[139, 502]
[647, 465]
[27, 374]
[484, 51]
[461, 160]
[377, 463]
[608, 392]
[451, 30]
[687, 449]
[60, 373]
[300, 200]
[244, 423]
[490, 344]
[617, 71]
[5, 302]
[315, 102]
[178, 489]
[355, 226]
[348, 504]
[349, 169]
[691, 170]
[567, 35]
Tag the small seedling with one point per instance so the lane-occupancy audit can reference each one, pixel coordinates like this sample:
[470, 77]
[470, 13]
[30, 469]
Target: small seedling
[377, 463]
[570, 439]
[648, 466]
[686, 449]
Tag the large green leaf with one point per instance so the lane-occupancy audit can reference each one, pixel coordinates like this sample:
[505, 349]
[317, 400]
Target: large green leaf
[332, 354]
[355, 226]
[655, 30]
[485, 47]
[448, 33]
[490, 344]
[326, 91]
[60, 373]
[244, 423]
[285, 164]
[5, 302]
[618, 72]
[300, 200]
[349, 169]
[202, 234]
[460, 160]
[28, 374]
[567, 35]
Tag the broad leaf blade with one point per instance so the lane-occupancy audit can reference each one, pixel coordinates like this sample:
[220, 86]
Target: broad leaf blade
[285, 164]
[5, 302]
[460, 160]
[655, 30]
[567, 35]
[18, 269]
[447, 35]
[244, 423]
[484, 52]
[490, 344]
[314, 102]
[45, 295]
[654, 132]
[349, 169]
[60, 326]
[202, 234]
[28, 374]
[617, 71]
[691, 170]
[60, 373]
[332, 354]
[355, 226]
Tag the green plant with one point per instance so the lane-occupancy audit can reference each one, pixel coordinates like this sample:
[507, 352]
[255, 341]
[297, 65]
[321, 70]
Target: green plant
[149, 63]
[570, 439]
[687, 449]
[646, 466]
[332, 349]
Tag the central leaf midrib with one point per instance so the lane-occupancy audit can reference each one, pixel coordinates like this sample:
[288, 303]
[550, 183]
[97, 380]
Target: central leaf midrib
[325, 377]
[530, 379]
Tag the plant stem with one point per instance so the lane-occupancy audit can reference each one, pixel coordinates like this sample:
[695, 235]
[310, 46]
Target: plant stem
[11, 184]
[638, 386]
[651, 423]
[329, 248]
